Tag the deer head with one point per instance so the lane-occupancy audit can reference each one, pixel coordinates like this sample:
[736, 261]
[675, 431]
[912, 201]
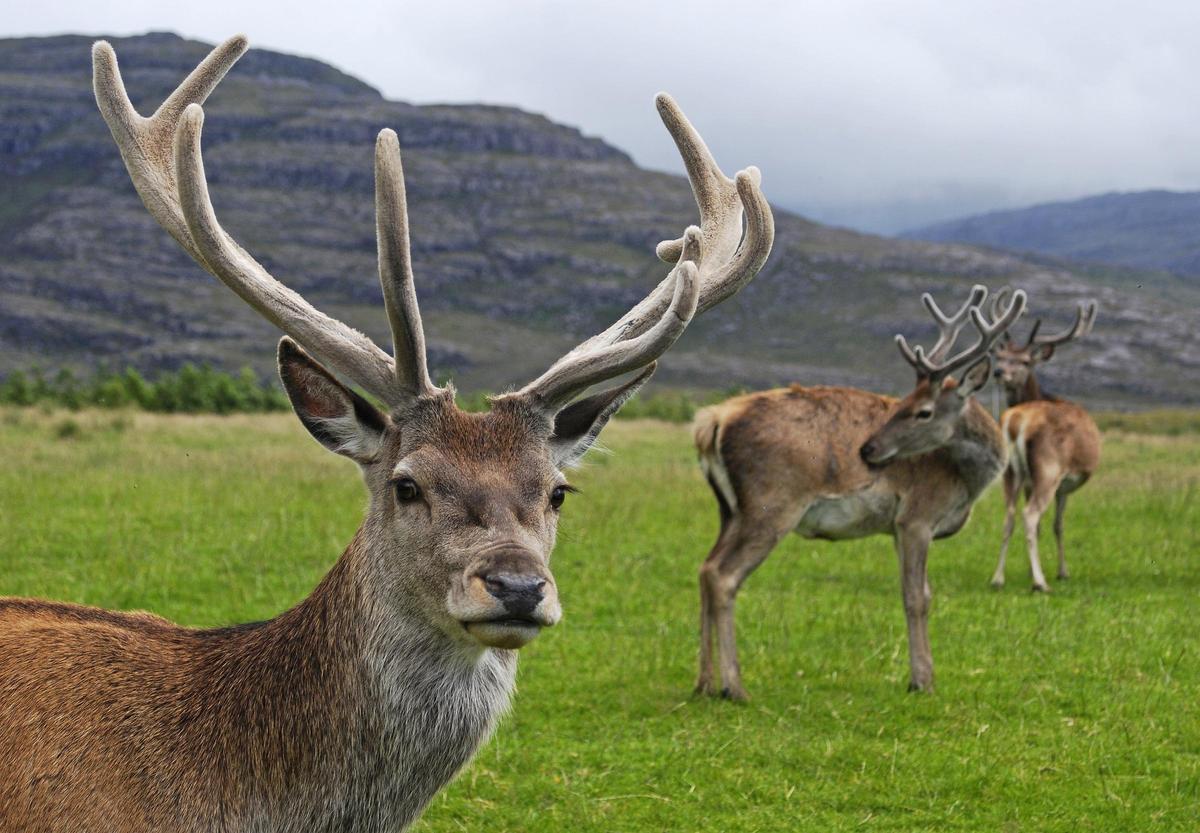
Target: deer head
[1015, 363]
[929, 416]
[463, 506]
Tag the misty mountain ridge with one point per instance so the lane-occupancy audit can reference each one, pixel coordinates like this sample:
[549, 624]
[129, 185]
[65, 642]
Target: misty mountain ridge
[527, 235]
[1154, 229]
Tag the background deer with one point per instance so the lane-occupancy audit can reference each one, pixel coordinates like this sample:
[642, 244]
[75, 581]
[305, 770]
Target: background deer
[838, 463]
[1053, 444]
[349, 711]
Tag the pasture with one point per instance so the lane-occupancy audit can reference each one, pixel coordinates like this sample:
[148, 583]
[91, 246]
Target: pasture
[1074, 711]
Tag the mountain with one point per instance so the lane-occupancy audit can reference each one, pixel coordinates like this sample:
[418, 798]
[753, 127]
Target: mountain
[1143, 230]
[527, 237]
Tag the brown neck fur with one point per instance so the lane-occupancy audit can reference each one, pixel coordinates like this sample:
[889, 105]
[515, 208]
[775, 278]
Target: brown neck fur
[977, 448]
[343, 712]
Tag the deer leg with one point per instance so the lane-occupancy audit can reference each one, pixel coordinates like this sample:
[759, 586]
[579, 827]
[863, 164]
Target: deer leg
[1035, 506]
[1060, 508]
[705, 679]
[729, 572]
[1011, 491]
[912, 547]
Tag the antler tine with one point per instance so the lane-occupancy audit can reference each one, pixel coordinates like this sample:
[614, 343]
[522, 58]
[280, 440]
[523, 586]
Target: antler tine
[914, 357]
[1085, 317]
[732, 260]
[949, 326]
[998, 301]
[1033, 331]
[395, 268]
[145, 143]
[162, 155]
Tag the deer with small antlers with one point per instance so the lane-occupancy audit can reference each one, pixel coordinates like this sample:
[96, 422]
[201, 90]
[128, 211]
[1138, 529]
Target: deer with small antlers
[1054, 445]
[838, 463]
[351, 710]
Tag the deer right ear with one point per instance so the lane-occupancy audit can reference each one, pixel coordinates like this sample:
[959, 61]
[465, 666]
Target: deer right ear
[577, 426]
[337, 417]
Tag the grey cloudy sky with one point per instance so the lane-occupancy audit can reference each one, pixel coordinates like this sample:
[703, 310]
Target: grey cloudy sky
[879, 115]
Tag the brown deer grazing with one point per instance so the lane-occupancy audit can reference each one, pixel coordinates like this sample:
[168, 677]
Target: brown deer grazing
[1053, 445]
[839, 463]
[351, 710]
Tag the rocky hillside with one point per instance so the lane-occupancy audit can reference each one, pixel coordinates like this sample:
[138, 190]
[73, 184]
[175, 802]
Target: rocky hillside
[527, 235]
[1143, 230]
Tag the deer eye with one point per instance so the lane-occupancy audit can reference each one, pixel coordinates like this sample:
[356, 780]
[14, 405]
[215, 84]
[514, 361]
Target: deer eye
[557, 495]
[406, 490]
[923, 414]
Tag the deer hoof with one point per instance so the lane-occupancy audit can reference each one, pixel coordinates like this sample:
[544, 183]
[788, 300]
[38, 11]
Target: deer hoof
[997, 584]
[705, 688]
[735, 693]
[1041, 588]
[1064, 575]
[920, 688]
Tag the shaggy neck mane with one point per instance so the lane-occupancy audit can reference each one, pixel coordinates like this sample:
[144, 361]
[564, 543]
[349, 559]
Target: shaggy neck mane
[977, 449]
[341, 713]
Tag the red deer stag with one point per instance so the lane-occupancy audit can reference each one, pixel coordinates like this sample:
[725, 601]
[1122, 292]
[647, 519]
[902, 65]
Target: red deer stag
[838, 463]
[351, 710]
[1053, 444]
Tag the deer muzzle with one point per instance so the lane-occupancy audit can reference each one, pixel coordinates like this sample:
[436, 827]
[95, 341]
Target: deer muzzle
[509, 597]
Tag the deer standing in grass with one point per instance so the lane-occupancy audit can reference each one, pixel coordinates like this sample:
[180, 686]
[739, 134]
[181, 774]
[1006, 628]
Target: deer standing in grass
[1053, 444]
[351, 710]
[839, 463]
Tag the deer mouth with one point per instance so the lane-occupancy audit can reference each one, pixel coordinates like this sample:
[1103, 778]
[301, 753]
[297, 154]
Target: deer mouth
[510, 632]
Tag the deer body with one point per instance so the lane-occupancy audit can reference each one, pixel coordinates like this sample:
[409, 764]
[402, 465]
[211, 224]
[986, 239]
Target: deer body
[351, 710]
[838, 463]
[1054, 445]
[835, 494]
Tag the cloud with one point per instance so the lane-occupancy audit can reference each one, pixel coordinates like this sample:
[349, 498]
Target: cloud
[871, 113]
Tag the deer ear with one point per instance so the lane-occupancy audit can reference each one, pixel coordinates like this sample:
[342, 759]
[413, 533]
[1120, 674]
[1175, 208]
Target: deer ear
[1043, 353]
[975, 377]
[578, 425]
[337, 417]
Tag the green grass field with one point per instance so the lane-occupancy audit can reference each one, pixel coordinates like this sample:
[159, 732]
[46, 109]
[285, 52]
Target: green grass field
[1075, 711]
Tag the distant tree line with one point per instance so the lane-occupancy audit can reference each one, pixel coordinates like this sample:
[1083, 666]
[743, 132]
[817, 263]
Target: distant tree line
[191, 389]
[202, 390]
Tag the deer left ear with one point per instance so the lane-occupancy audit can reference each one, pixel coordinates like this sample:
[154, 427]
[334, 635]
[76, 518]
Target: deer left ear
[1043, 353]
[975, 377]
[577, 426]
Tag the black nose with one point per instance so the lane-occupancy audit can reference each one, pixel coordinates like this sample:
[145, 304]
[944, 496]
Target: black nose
[867, 451]
[997, 373]
[519, 592]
